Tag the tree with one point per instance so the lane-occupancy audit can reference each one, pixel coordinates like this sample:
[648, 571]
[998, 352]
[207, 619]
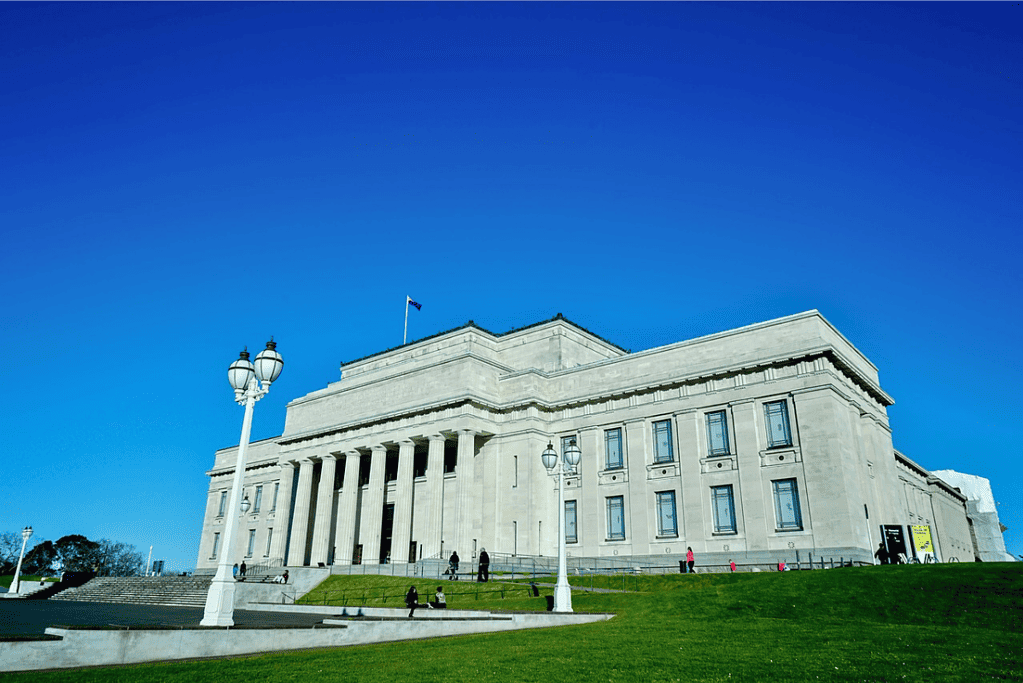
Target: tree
[10, 549]
[76, 553]
[118, 559]
[40, 559]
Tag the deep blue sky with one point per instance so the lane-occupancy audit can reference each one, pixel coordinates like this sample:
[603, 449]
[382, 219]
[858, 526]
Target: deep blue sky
[180, 180]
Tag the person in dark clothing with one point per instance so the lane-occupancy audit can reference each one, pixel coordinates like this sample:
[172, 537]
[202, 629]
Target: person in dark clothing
[453, 567]
[241, 571]
[439, 601]
[882, 554]
[484, 574]
[412, 601]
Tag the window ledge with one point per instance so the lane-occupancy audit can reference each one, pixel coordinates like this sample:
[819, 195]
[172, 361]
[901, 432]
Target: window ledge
[725, 533]
[661, 537]
[614, 540]
[788, 530]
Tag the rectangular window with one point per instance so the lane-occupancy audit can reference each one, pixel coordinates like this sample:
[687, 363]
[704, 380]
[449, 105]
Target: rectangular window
[717, 433]
[269, 540]
[277, 487]
[252, 542]
[570, 522]
[662, 442]
[786, 504]
[724, 509]
[515, 481]
[616, 518]
[216, 546]
[613, 449]
[777, 414]
[223, 503]
[258, 501]
[666, 523]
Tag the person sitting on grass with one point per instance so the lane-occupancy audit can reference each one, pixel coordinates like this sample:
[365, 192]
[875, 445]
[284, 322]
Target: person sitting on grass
[439, 601]
[412, 601]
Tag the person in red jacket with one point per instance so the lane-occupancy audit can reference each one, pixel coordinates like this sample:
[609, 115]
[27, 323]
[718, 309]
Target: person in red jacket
[689, 559]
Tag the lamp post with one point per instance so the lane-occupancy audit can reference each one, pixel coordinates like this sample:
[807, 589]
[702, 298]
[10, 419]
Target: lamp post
[26, 534]
[250, 383]
[572, 455]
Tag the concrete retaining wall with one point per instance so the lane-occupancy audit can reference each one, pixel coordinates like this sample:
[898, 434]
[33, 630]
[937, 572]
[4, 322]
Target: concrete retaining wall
[79, 648]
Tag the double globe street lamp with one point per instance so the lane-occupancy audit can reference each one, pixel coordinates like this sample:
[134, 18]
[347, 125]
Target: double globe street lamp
[26, 534]
[250, 382]
[572, 455]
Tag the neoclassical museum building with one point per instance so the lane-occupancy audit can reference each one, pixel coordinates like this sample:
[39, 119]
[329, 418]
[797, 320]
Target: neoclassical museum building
[757, 444]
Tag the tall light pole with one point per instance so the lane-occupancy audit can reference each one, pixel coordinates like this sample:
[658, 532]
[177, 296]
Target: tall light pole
[245, 379]
[26, 534]
[572, 455]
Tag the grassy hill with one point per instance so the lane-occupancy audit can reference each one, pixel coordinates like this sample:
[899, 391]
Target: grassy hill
[900, 623]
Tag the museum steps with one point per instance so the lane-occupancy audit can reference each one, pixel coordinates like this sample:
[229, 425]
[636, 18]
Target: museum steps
[173, 591]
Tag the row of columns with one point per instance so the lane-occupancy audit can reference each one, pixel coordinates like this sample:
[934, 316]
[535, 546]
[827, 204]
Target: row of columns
[372, 504]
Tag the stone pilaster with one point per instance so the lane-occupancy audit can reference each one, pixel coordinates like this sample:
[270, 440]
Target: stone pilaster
[467, 513]
[300, 525]
[694, 528]
[434, 497]
[373, 507]
[401, 533]
[749, 496]
[282, 512]
[344, 538]
[324, 508]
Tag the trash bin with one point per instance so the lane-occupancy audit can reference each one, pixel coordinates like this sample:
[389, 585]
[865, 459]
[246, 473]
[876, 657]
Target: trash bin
[550, 603]
[681, 566]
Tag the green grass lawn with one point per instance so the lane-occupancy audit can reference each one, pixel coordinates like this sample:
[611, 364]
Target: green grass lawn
[6, 581]
[901, 623]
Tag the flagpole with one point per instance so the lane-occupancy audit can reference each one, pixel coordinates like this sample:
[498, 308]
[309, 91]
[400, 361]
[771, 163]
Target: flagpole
[404, 336]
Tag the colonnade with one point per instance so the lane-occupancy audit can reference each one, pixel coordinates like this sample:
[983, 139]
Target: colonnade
[360, 509]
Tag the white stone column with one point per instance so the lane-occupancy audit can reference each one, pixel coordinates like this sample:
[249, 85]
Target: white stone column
[401, 533]
[749, 498]
[694, 530]
[300, 525]
[282, 512]
[344, 538]
[468, 510]
[373, 507]
[434, 497]
[324, 508]
[639, 502]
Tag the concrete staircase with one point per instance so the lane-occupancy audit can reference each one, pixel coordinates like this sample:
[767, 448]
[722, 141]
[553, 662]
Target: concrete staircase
[174, 591]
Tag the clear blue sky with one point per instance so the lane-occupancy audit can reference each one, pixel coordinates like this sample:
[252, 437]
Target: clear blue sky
[180, 180]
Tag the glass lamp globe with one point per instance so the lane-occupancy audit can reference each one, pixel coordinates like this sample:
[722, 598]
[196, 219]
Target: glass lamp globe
[245, 504]
[240, 372]
[572, 454]
[26, 533]
[269, 363]
[549, 457]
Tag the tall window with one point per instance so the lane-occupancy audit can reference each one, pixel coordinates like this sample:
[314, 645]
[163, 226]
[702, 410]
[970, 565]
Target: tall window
[777, 414]
[616, 518]
[258, 501]
[724, 509]
[570, 522]
[252, 542]
[666, 522]
[786, 504]
[613, 449]
[277, 487]
[717, 433]
[223, 503]
[269, 539]
[216, 546]
[662, 442]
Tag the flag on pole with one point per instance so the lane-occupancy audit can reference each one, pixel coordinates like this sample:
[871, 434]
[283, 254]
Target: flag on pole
[410, 302]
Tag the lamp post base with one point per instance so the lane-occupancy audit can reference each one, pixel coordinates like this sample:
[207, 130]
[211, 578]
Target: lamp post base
[562, 597]
[219, 603]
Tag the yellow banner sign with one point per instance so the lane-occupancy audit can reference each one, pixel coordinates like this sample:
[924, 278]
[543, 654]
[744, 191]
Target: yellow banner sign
[922, 538]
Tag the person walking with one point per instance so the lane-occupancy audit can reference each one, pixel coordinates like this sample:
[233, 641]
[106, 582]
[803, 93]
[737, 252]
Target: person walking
[731, 563]
[412, 601]
[484, 574]
[690, 561]
[241, 570]
[453, 567]
[234, 571]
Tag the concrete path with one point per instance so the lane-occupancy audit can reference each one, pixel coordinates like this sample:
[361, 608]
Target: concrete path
[32, 617]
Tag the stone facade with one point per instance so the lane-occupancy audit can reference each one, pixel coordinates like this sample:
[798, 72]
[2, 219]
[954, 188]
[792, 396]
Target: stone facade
[753, 444]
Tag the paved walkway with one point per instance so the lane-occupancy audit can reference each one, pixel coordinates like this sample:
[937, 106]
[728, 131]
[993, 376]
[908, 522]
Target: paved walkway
[32, 617]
